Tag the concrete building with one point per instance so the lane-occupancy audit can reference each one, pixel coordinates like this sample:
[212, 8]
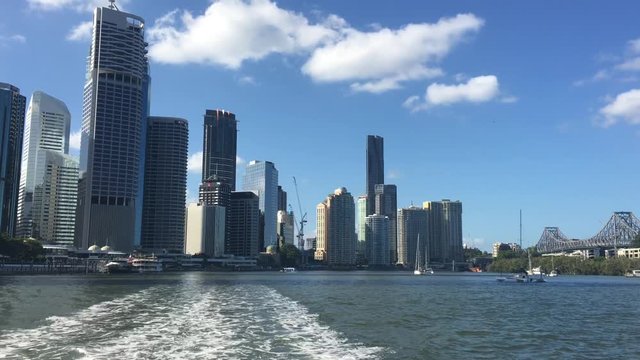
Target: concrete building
[114, 119]
[375, 168]
[261, 177]
[46, 129]
[12, 106]
[205, 230]
[335, 222]
[412, 222]
[220, 138]
[445, 230]
[377, 248]
[165, 184]
[285, 228]
[245, 222]
[386, 203]
[362, 216]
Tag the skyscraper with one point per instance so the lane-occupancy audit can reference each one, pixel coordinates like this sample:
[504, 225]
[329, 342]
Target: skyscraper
[445, 230]
[412, 222]
[282, 199]
[377, 248]
[375, 168]
[387, 204]
[114, 119]
[165, 184]
[362, 215]
[46, 128]
[261, 177]
[12, 106]
[335, 222]
[245, 219]
[220, 146]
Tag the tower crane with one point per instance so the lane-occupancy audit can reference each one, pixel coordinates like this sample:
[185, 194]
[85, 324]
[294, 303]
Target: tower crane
[303, 218]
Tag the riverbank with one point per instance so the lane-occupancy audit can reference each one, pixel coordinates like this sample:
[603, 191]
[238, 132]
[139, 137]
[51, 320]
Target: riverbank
[568, 265]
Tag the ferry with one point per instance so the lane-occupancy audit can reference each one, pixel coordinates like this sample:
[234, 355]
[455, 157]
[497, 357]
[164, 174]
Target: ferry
[116, 266]
[147, 265]
[288, 270]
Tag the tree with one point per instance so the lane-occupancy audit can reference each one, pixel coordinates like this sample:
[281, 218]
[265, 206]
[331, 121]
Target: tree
[470, 253]
[289, 256]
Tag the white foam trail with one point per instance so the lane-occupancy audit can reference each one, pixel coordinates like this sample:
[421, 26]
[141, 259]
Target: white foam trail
[188, 320]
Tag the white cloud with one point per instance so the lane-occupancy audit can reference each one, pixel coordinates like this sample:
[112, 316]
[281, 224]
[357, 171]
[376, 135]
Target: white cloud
[77, 5]
[240, 161]
[634, 46]
[476, 90]
[630, 64]
[409, 53]
[233, 31]
[194, 164]
[509, 99]
[16, 38]
[81, 32]
[625, 107]
[74, 140]
[247, 80]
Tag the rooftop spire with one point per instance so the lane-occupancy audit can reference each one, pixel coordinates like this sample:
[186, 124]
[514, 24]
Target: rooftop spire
[112, 5]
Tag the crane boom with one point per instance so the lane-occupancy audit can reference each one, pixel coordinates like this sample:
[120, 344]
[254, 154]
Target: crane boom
[303, 217]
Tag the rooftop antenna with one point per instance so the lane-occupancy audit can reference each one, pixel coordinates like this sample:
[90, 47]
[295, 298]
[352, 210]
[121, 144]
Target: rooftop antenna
[112, 5]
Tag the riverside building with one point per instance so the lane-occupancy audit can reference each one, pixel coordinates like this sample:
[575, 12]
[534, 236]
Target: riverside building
[114, 116]
[387, 204]
[335, 223]
[413, 221]
[220, 146]
[375, 169]
[165, 184]
[245, 222]
[377, 249]
[12, 106]
[445, 230]
[261, 177]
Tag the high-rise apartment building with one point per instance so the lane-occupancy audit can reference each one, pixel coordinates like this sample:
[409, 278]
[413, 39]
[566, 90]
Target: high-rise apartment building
[245, 221]
[12, 106]
[387, 204]
[335, 223]
[377, 247]
[413, 222]
[375, 168]
[114, 116]
[361, 208]
[165, 184]
[220, 146]
[46, 129]
[261, 177]
[445, 230]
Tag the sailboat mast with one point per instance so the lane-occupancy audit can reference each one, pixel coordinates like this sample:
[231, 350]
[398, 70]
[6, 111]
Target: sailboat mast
[520, 229]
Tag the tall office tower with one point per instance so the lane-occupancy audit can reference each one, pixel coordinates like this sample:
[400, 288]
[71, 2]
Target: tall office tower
[285, 228]
[165, 184]
[53, 209]
[445, 230]
[375, 169]
[12, 106]
[377, 248]
[46, 128]
[214, 191]
[261, 177]
[114, 123]
[220, 146]
[387, 204]
[282, 199]
[245, 220]
[413, 222]
[335, 222]
[362, 215]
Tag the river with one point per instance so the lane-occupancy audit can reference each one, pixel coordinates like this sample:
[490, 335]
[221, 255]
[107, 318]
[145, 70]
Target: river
[317, 315]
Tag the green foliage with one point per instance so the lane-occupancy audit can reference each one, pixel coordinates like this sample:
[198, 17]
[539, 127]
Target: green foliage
[289, 256]
[569, 265]
[20, 249]
[510, 254]
[470, 253]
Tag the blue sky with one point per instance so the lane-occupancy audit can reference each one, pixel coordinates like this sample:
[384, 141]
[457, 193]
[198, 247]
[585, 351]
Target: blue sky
[503, 105]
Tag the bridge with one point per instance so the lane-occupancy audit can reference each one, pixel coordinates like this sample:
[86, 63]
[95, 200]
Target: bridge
[619, 231]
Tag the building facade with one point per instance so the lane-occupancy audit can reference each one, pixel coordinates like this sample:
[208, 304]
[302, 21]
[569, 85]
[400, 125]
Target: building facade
[245, 222]
[335, 223]
[165, 184]
[205, 230]
[377, 248]
[220, 146]
[413, 222]
[282, 199]
[46, 129]
[114, 115]
[387, 204]
[285, 228]
[261, 177]
[361, 208]
[375, 168]
[445, 230]
[12, 106]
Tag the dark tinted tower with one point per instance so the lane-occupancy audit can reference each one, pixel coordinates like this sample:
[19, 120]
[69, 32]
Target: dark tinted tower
[375, 169]
[220, 141]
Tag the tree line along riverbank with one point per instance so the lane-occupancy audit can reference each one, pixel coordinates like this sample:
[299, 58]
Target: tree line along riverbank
[568, 265]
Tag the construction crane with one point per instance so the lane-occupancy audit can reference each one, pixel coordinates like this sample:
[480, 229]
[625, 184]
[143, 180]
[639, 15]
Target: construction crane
[303, 218]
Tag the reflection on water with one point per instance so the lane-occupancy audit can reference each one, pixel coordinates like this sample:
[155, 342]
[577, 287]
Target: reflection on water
[318, 315]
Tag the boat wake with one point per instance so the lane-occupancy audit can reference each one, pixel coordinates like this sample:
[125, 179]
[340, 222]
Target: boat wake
[190, 320]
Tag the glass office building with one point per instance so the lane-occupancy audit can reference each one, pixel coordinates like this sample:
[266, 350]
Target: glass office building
[261, 177]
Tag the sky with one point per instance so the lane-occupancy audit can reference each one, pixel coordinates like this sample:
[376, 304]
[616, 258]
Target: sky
[503, 105]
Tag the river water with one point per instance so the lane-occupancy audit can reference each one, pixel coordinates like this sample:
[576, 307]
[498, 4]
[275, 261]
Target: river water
[317, 315]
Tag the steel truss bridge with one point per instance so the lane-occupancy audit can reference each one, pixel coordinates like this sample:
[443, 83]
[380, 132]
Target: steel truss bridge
[621, 229]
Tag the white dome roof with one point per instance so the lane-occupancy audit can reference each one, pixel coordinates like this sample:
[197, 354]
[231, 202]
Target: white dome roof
[94, 247]
[105, 248]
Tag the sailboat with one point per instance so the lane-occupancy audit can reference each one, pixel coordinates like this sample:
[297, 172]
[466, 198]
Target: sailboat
[421, 269]
[553, 272]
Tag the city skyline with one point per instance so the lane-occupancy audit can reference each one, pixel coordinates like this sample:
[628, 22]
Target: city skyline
[547, 141]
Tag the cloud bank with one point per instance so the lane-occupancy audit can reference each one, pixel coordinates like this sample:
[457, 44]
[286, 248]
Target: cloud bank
[624, 108]
[475, 90]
